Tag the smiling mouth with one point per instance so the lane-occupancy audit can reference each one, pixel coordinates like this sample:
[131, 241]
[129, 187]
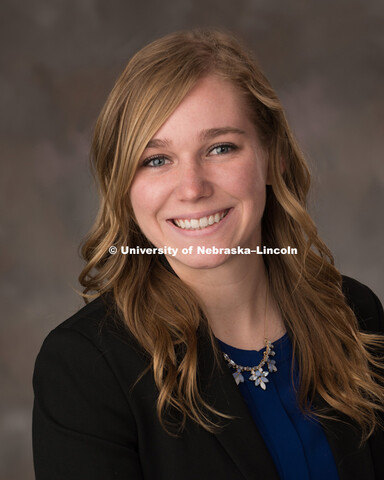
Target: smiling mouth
[200, 223]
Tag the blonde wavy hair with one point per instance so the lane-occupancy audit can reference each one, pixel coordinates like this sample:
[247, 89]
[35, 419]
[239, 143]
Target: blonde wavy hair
[159, 310]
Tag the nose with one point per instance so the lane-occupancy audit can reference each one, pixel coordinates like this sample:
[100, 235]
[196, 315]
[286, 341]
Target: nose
[192, 182]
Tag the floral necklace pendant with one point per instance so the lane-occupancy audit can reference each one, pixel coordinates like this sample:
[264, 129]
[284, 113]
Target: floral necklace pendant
[258, 374]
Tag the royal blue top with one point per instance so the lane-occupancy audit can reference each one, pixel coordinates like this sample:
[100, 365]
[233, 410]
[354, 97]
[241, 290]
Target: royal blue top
[297, 443]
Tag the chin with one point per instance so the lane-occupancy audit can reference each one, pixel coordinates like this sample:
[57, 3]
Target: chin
[200, 262]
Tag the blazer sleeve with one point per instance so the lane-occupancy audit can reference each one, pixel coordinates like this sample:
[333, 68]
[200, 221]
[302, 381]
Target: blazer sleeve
[370, 315]
[365, 304]
[82, 424]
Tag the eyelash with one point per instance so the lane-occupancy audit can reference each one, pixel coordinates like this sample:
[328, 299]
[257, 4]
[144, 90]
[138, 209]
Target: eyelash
[151, 159]
[231, 146]
[147, 161]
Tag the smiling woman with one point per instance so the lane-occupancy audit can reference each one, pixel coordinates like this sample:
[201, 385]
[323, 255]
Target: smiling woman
[198, 174]
[208, 184]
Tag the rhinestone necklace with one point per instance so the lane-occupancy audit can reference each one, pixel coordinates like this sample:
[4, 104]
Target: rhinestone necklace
[258, 374]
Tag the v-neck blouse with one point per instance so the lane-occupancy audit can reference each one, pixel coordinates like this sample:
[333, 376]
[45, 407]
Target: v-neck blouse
[296, 443]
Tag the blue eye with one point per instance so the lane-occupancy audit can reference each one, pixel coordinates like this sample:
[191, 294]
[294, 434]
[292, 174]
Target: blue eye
[222, 149]
[155, 162]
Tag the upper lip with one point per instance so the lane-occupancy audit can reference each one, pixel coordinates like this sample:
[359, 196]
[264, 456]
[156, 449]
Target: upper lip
[198, 215]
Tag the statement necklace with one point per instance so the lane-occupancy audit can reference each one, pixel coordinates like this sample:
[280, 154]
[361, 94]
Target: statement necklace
[258, 374]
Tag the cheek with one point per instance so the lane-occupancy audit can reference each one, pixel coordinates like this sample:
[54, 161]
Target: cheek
[247, 182]
[139, 197]
[146, 199]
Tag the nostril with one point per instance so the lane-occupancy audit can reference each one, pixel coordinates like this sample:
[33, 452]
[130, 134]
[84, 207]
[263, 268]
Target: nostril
[192, 186]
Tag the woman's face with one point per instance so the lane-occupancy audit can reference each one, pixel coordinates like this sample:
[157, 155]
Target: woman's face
[202, 179]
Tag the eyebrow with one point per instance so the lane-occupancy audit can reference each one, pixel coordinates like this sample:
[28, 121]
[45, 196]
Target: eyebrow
[216, 132]
[204, 135]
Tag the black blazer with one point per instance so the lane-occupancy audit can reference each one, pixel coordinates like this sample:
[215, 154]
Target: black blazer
[90, 424]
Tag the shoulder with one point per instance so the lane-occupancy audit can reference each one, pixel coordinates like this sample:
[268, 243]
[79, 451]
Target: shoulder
[94, 342]
[100, 323]
[365, 304]
[84, 412]
[95, 321]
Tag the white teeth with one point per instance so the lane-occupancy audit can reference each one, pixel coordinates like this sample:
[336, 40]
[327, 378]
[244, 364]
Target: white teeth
[194, 223]
[199, 223]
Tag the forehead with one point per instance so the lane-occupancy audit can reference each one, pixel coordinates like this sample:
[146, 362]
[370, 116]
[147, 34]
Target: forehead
[212, 103]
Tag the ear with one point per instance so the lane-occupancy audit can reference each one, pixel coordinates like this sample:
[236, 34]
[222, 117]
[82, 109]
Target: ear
[282, 170]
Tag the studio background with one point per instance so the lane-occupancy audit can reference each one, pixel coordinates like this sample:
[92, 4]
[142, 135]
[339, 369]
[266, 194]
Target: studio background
[59, 60]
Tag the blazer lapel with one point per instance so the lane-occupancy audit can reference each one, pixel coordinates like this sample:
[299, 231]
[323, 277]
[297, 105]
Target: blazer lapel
[353, 461]
[240, 436]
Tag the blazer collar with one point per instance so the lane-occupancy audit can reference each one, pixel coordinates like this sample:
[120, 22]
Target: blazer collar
[243, 441]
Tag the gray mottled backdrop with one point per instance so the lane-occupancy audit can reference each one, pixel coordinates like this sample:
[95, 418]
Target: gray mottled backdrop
[59, 60]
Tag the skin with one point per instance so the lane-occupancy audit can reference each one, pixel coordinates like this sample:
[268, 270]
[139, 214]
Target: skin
[208, 158]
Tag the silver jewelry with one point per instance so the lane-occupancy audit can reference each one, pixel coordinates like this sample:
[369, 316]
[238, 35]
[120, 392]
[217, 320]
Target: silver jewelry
[258, 375]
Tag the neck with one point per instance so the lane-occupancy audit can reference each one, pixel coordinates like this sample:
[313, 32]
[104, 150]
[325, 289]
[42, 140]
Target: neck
[233, 297]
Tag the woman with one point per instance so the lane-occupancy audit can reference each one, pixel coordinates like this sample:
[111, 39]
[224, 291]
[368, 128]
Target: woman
[201, 357]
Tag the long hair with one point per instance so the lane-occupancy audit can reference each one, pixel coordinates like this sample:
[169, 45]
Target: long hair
[335, 359]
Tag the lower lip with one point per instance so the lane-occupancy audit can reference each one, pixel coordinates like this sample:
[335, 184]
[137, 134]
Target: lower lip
[201, 231]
